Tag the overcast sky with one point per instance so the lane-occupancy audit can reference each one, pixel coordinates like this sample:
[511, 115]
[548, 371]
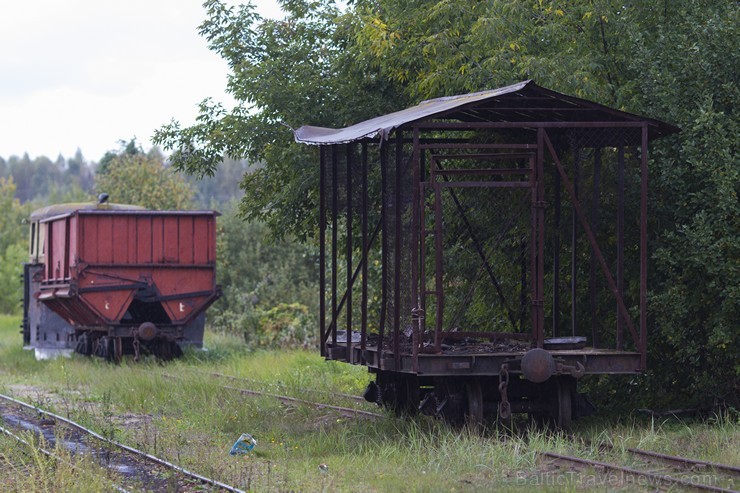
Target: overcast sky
[88, 73]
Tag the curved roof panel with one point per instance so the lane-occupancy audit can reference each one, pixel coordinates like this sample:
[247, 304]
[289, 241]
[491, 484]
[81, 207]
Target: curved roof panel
[62, 209]
[524, 102]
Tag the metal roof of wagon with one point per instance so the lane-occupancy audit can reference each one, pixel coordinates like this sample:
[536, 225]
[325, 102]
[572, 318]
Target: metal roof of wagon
[62, 209]
[524, 102]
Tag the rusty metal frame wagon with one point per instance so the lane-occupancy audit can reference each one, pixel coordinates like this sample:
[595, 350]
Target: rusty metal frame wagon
[481, 253]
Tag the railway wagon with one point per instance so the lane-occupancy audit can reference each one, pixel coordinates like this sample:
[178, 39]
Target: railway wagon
[109, 279]
[482, 253]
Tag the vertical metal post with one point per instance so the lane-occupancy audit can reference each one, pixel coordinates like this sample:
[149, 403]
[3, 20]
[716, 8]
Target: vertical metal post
[620, 244]
[556, 256]
[592, 287]
[349, 161]
[384, 248]
[365, 249]
[422, 240]
[322, 250]
[522, 287]
[643, 247]
[438, 284]
[415, 250]
[423, 255]
[334, 206]
[534, 313]
[540, 172]
[397, 251]
[574, 246]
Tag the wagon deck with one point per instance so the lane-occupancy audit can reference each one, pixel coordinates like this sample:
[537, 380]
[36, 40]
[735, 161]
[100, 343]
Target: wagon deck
[486, 360]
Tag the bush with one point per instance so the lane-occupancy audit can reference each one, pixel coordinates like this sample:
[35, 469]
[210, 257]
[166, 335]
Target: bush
[282, 326]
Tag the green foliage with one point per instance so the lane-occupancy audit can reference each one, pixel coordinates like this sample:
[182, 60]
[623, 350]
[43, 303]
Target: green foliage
[219, 190]
[11, 278]
[269, 285]
[688, 64]
[284, 73]
[437, 48]
[12, 247]
[130, 148]
[676, 61]
[282, 326]
[142, 179]
[39, 178]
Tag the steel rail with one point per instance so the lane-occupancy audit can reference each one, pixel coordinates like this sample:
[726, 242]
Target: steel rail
[288, 399]
[157, 460]
[54, 456]
[676, 459]
[725, 468]
[260, 382]
[658, 478]
[317, 405]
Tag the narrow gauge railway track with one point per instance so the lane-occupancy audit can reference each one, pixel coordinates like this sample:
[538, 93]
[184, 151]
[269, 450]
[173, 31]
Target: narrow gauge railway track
[52, 455]
[141, 469]
[345, 411]
[651, 478]
[258, 382]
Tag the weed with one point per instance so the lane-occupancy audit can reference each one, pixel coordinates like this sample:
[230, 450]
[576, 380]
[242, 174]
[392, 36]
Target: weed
[193, 422]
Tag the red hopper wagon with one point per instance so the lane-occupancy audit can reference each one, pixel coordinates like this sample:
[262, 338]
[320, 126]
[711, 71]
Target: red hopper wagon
[129, 281]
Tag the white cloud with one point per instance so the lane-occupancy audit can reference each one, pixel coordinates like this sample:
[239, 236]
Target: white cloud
[87, 73]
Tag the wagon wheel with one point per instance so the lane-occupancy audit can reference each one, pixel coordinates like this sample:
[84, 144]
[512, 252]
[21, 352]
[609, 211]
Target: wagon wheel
[474, 393]
[562, 414]
[101, 347]
[399, 392]
[450, 400]
[85, 344]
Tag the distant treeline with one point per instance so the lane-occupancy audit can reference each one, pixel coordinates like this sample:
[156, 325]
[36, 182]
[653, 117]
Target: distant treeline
[41, 179]
[45, 181]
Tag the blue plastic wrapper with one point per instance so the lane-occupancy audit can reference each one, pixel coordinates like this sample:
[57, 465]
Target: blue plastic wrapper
[243, 445]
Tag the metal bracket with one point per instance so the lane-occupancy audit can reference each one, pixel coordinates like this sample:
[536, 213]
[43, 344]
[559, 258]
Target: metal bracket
[576, 371]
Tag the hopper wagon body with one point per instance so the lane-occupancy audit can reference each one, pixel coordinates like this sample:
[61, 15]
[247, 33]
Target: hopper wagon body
[120, 281]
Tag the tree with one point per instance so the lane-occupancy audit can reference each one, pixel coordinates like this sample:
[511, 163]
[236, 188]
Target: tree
[285, 73]
[684, 68]
[675, 61]
[144, 180]
[221, 189]
[263, 283]
[12, 247]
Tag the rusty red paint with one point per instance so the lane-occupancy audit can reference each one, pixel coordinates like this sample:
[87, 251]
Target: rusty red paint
[98, 262]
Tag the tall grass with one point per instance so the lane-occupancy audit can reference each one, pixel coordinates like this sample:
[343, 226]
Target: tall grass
[193, 422]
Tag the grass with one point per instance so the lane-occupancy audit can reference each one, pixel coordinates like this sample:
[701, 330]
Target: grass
[193, 422]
